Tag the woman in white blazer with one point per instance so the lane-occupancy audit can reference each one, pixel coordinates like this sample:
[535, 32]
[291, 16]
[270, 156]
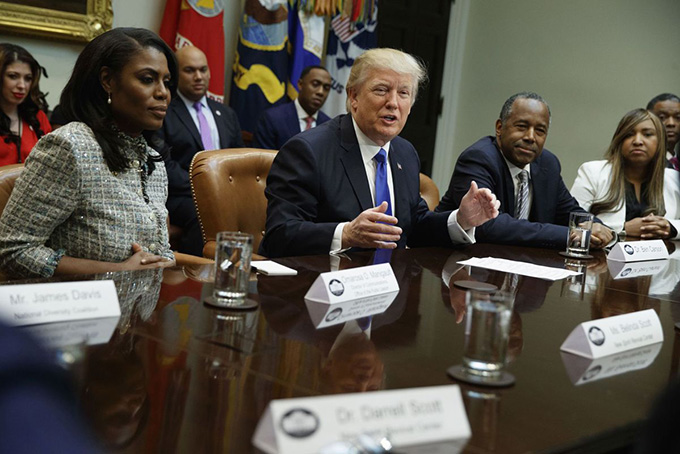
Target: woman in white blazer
[631, 191]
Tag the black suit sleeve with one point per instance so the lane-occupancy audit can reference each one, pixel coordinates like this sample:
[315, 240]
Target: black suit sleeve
[293, 193]
[235, 140]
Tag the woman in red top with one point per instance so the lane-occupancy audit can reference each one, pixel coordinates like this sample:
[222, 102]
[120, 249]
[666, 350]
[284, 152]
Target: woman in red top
[22, 121]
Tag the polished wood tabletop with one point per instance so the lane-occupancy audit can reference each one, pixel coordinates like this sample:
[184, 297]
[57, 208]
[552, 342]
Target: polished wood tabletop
[180, 376]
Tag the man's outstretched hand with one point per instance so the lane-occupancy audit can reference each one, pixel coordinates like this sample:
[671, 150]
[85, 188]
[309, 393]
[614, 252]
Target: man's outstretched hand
[477, 207]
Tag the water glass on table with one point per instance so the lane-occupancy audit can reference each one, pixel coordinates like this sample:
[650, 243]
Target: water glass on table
[487, 333]
[232, 268]
[580, 229]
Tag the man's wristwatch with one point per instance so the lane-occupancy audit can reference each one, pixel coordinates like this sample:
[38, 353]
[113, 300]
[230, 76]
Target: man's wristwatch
[621, 235]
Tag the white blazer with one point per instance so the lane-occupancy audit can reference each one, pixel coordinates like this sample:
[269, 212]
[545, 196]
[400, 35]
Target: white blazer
[592, 184]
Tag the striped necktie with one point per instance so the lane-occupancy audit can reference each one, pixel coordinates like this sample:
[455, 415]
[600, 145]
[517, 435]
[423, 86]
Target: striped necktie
[522, 210]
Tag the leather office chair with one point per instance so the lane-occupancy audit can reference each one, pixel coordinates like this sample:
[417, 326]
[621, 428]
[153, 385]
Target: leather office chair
[429, 191]
[228, 188]
[8, 175]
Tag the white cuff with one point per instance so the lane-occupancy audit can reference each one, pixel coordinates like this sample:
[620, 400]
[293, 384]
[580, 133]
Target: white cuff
[456, 232]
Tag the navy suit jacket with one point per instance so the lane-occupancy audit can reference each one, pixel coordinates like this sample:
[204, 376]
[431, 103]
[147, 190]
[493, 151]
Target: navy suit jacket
[318, 180]
[180, 133]
[550, 206]
[278, 124]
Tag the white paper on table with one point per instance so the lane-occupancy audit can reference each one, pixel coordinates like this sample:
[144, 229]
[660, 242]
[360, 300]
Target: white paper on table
[522, 268]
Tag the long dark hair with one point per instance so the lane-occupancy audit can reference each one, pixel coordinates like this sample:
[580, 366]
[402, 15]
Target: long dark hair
[85, 100]
[655, 171]
[35, 101]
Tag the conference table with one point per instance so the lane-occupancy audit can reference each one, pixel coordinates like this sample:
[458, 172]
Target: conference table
[178, 375]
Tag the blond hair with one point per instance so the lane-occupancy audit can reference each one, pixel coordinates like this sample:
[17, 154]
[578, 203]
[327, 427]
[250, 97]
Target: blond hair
[385, 59]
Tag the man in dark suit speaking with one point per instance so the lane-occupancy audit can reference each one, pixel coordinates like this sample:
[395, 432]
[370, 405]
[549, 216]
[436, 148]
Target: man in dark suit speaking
[193, 123]
[352, 182]
[280, 123]
[535, 203]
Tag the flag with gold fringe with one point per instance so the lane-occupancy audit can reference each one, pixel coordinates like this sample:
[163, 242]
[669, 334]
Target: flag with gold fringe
[198, 23]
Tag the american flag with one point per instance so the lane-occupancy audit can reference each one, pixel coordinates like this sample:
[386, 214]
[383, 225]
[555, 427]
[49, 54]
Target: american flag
[344, 28]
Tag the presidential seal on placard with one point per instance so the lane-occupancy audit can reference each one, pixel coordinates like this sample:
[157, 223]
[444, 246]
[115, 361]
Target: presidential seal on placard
[596, 335]
[336, 287]
[299, 423]
[629, 249]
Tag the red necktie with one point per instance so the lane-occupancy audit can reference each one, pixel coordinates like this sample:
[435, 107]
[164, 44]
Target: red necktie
[309, 121]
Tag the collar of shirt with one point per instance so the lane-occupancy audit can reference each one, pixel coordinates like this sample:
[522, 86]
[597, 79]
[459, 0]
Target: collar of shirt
[368, 150]
[190, 104]
[302, 113]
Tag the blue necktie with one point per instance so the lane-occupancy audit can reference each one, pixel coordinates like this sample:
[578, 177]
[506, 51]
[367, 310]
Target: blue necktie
[382, 190]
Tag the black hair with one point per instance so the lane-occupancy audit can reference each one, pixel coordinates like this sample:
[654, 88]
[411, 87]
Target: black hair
[307, 69]
[35, 101]
[506, 110]
[660, 98]
[85, 100]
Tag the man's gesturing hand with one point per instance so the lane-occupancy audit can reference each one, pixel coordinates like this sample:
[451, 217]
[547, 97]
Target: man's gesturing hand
[372, 229]
[477, 207]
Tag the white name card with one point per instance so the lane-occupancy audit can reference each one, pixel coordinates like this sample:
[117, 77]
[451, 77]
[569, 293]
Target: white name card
[611, 335]
[627, 270]
[406, 417]
[32, 304]
[352, 284]
[585, 370]
[636, 251]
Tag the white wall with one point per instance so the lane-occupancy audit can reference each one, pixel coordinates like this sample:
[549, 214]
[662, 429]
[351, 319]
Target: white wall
[592, 60]
[60, 56]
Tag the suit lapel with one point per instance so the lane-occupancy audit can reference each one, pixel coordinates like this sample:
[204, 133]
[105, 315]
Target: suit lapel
[538, 180]
[292, 123]
[353, 164]
[221, 123]
[399, 182]
[185, 117]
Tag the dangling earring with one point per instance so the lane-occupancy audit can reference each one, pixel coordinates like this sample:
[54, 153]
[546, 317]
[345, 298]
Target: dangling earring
[109, 100]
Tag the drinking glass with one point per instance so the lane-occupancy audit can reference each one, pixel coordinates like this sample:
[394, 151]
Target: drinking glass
[580, 229]
[232, 267]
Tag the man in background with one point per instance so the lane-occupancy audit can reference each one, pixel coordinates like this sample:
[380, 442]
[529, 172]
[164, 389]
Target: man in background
[280, 123]
[666, 106]
[535, 203]
[193, 123]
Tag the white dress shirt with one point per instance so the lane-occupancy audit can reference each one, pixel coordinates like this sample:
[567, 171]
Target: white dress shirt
[207, 113]
[368, 150]
[302, 116]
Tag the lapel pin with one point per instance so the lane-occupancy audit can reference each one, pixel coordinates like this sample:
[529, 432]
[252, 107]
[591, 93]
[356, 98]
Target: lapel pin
[219, 114]
[398, 166]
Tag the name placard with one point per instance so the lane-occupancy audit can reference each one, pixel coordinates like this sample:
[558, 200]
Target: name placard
[612, 335]
[585, 370]
[406, 417]
[32, 304]
[627, 270]
[353, 284]
[636, 251]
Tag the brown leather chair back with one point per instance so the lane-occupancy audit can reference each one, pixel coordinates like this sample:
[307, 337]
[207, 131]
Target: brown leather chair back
[228, 188]
[8, 176]
[429, 191]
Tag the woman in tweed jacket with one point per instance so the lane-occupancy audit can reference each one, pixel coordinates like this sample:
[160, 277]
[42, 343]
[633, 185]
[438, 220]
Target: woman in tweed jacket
[92, 195]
